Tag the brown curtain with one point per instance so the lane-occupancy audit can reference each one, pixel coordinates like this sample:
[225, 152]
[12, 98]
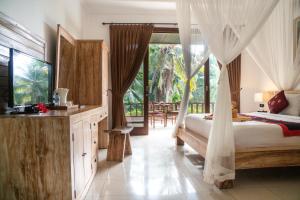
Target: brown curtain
[128, 44]
[234, 74]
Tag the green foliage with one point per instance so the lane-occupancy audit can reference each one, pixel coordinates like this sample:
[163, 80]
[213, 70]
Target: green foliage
[166, 77]
[31, 84]
[214, 74]
[166, 73]
[135, 94]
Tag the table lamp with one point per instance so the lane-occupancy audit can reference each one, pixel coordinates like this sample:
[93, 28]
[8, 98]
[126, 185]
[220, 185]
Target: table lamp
[258, 98]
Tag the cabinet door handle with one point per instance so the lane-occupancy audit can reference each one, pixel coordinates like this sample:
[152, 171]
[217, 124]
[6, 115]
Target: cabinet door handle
[94, 124]
[83, 154]
[94, 142]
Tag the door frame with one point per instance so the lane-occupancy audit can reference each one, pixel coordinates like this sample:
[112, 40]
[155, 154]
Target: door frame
[145, 129]
[206, 68]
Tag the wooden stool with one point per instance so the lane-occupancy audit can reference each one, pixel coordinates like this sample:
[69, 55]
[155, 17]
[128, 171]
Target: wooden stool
[119, 144]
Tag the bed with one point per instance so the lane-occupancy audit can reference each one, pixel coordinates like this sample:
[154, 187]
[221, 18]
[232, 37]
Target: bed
[258, 144]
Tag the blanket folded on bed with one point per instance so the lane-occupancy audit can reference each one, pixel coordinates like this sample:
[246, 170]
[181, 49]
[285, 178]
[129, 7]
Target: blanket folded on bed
[288, 128]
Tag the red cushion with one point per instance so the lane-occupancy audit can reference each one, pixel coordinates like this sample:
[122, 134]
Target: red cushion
[278, 103]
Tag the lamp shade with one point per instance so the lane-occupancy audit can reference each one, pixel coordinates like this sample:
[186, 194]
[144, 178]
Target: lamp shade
[258, 97]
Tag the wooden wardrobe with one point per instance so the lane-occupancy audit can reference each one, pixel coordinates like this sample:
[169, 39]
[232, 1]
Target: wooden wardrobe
[92, 62]
[82, 66]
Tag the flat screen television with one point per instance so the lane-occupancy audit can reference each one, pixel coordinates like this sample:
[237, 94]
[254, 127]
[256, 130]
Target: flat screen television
[30, 80]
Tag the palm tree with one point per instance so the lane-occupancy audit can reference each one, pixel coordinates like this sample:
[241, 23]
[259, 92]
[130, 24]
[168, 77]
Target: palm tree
[31, 83]
[167, 79]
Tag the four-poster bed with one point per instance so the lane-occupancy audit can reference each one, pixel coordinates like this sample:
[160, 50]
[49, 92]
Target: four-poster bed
[240, 25]
[277, 152]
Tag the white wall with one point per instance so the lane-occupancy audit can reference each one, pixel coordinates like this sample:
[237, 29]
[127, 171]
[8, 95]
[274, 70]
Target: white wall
[93, 28]
[253, 80]
[42, 16]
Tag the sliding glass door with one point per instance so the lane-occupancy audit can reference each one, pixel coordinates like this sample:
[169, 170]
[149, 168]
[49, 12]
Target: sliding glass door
[159, 85]
[136, 101]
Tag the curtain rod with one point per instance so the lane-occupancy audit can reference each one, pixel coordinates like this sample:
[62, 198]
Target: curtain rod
[111, 23]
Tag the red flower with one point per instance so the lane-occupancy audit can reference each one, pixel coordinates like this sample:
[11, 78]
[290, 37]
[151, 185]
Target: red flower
[42, 107]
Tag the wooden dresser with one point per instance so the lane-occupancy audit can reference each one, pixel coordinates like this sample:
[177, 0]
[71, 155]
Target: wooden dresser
[49, 156]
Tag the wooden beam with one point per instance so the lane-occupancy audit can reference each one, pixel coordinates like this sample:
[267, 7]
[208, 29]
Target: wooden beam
[165, 30]
[206, 87]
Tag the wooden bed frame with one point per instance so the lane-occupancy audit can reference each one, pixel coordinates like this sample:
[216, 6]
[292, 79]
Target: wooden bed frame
[247, 158]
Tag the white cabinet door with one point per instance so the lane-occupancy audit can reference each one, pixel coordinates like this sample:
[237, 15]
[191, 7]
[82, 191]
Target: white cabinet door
[78, 157]
[87, 149]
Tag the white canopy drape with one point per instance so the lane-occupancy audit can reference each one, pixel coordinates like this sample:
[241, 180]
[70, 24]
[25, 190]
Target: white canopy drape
[273, 46]
[195, 52]
[227, 27]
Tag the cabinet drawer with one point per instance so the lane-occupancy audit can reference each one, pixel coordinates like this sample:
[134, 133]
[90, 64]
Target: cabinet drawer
[94, 164]
[95, 118]
[94, 126]
[95, 146]
[103, 113]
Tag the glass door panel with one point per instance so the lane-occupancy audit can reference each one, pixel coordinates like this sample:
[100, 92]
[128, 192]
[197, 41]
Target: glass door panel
[135, 100]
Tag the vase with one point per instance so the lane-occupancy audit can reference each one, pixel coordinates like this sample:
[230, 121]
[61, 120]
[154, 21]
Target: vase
[62, 93]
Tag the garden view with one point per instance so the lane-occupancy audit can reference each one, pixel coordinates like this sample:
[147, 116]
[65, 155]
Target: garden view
[166, 80]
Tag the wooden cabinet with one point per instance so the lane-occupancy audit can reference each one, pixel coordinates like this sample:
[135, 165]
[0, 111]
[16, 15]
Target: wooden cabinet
[82, 66]
[84, 130]
[87, 149]
[103, 135]
[90, 69]
[49, 156]
[78, 149]
[92, 63]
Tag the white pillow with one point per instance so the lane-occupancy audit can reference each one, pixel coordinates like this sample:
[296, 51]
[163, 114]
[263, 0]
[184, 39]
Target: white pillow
[294, 105]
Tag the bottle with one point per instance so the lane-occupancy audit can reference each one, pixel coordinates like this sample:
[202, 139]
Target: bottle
[56, 99]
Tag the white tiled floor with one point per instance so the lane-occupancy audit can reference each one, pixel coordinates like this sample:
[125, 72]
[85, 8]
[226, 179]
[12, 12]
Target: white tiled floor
[159, 170]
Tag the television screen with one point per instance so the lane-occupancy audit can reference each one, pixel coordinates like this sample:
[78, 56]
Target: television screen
[30, 80]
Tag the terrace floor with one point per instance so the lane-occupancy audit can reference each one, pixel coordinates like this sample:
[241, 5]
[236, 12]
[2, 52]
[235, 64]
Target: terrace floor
[158, 169]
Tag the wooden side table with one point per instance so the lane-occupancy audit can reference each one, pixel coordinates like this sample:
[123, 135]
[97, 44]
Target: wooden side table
[119, 144]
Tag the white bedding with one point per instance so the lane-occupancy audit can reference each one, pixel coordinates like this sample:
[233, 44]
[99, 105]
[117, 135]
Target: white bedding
[249, 133]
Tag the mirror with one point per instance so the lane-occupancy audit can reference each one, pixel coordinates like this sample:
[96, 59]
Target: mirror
[66, 63]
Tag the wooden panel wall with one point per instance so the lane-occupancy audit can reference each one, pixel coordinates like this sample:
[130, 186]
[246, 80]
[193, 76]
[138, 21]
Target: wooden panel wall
[89, 63]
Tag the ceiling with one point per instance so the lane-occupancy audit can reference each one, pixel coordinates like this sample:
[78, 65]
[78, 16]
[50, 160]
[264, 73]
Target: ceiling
[128, 6]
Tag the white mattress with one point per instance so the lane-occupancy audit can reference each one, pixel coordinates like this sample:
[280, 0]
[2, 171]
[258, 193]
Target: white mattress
[250, 133]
